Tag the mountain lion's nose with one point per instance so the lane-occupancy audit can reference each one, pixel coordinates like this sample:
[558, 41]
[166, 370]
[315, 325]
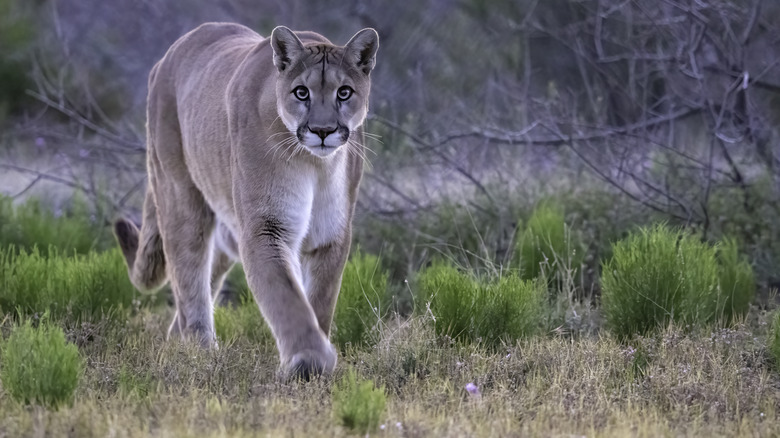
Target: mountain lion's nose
[322, 131]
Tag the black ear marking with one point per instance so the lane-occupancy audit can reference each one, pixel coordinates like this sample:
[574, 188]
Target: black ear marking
[361, 49]
[287, 47]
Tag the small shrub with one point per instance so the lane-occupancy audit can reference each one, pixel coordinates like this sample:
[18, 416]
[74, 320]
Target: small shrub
[89, 286]
[31, 225]
[547, 248]
[39, 366]
[362, 301]
[358, 404]
[243, 321]
[774, 340]
[661, 275]
[464, 307]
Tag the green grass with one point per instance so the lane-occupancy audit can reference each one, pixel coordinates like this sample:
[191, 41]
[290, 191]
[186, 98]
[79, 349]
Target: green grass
[31, 225]
[736, 282]
[78, 287]
[358, 404]
[774, 340]
[362, 303]
[692, 383]
[661, 275]
[407, 378]
[241, 322]
[138, 385]
[39, 366]
[546, 247]
[491, 311]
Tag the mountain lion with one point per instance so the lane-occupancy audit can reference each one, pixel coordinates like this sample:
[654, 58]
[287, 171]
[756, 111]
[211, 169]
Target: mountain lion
[254, 153]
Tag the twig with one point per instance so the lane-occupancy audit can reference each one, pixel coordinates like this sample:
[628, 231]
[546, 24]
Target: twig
[134, 146]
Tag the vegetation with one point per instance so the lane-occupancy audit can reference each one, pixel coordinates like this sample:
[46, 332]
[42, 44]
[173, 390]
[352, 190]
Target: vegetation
[736, 282]
[532, 145]
[774, 340]
[17, 34]
[363, 302]
[468, 330]
[358, 404]
[660, 275]
[465, 308]
[689, 383]
[30, 225]
[39, 366]
[77, 288]
[547, 248]
[134, 384]
[242, 321]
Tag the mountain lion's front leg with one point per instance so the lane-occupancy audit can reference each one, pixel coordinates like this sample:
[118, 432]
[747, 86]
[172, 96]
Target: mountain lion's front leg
[323, 268]
[273, 274]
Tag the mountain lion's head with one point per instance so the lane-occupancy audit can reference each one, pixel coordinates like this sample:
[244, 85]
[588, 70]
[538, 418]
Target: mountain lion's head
[322, 89]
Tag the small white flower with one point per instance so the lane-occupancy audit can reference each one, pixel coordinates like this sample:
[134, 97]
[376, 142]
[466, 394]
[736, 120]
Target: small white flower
[381, 427]
[399, 425]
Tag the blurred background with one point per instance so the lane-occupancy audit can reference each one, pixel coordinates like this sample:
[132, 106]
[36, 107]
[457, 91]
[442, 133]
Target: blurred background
[616, 112]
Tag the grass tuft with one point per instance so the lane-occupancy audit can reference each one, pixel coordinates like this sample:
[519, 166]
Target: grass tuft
[546, 248]
[30, 225]
[243, 321]
[362, 302]
[774, 339]
[88, 287]
[661, 275]
[39, 366]
[358, 404]
[464, 307]
[736, 281]
[131, 384]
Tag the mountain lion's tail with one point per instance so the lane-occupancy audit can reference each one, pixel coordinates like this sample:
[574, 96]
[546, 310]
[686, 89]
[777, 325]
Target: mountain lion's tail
[143, 249]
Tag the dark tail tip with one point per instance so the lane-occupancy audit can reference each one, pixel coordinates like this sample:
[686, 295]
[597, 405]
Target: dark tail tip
[127, 235]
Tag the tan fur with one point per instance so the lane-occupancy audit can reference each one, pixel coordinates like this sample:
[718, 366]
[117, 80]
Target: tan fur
[239, 167]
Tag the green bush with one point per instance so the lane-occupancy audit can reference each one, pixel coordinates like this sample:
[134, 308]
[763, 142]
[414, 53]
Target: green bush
[464, 307]
[774, 340]
[546, 248]
[362, 301]
[30, 224]
[660, 275]
[243, 321]
[358, 404]
[88, 287]
[736, 280]
[39, 366]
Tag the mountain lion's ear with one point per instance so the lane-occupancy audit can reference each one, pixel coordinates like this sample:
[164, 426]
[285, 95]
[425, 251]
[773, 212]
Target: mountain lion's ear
[287, 47]
[361, 49]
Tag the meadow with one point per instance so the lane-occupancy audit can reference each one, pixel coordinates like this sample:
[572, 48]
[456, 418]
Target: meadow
[675, 344]
[567, 226]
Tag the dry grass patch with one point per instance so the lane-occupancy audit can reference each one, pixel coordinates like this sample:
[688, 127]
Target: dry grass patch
[674, 383]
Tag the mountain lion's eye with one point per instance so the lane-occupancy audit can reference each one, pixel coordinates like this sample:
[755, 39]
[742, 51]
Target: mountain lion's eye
[301, 92]
[344, 93]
